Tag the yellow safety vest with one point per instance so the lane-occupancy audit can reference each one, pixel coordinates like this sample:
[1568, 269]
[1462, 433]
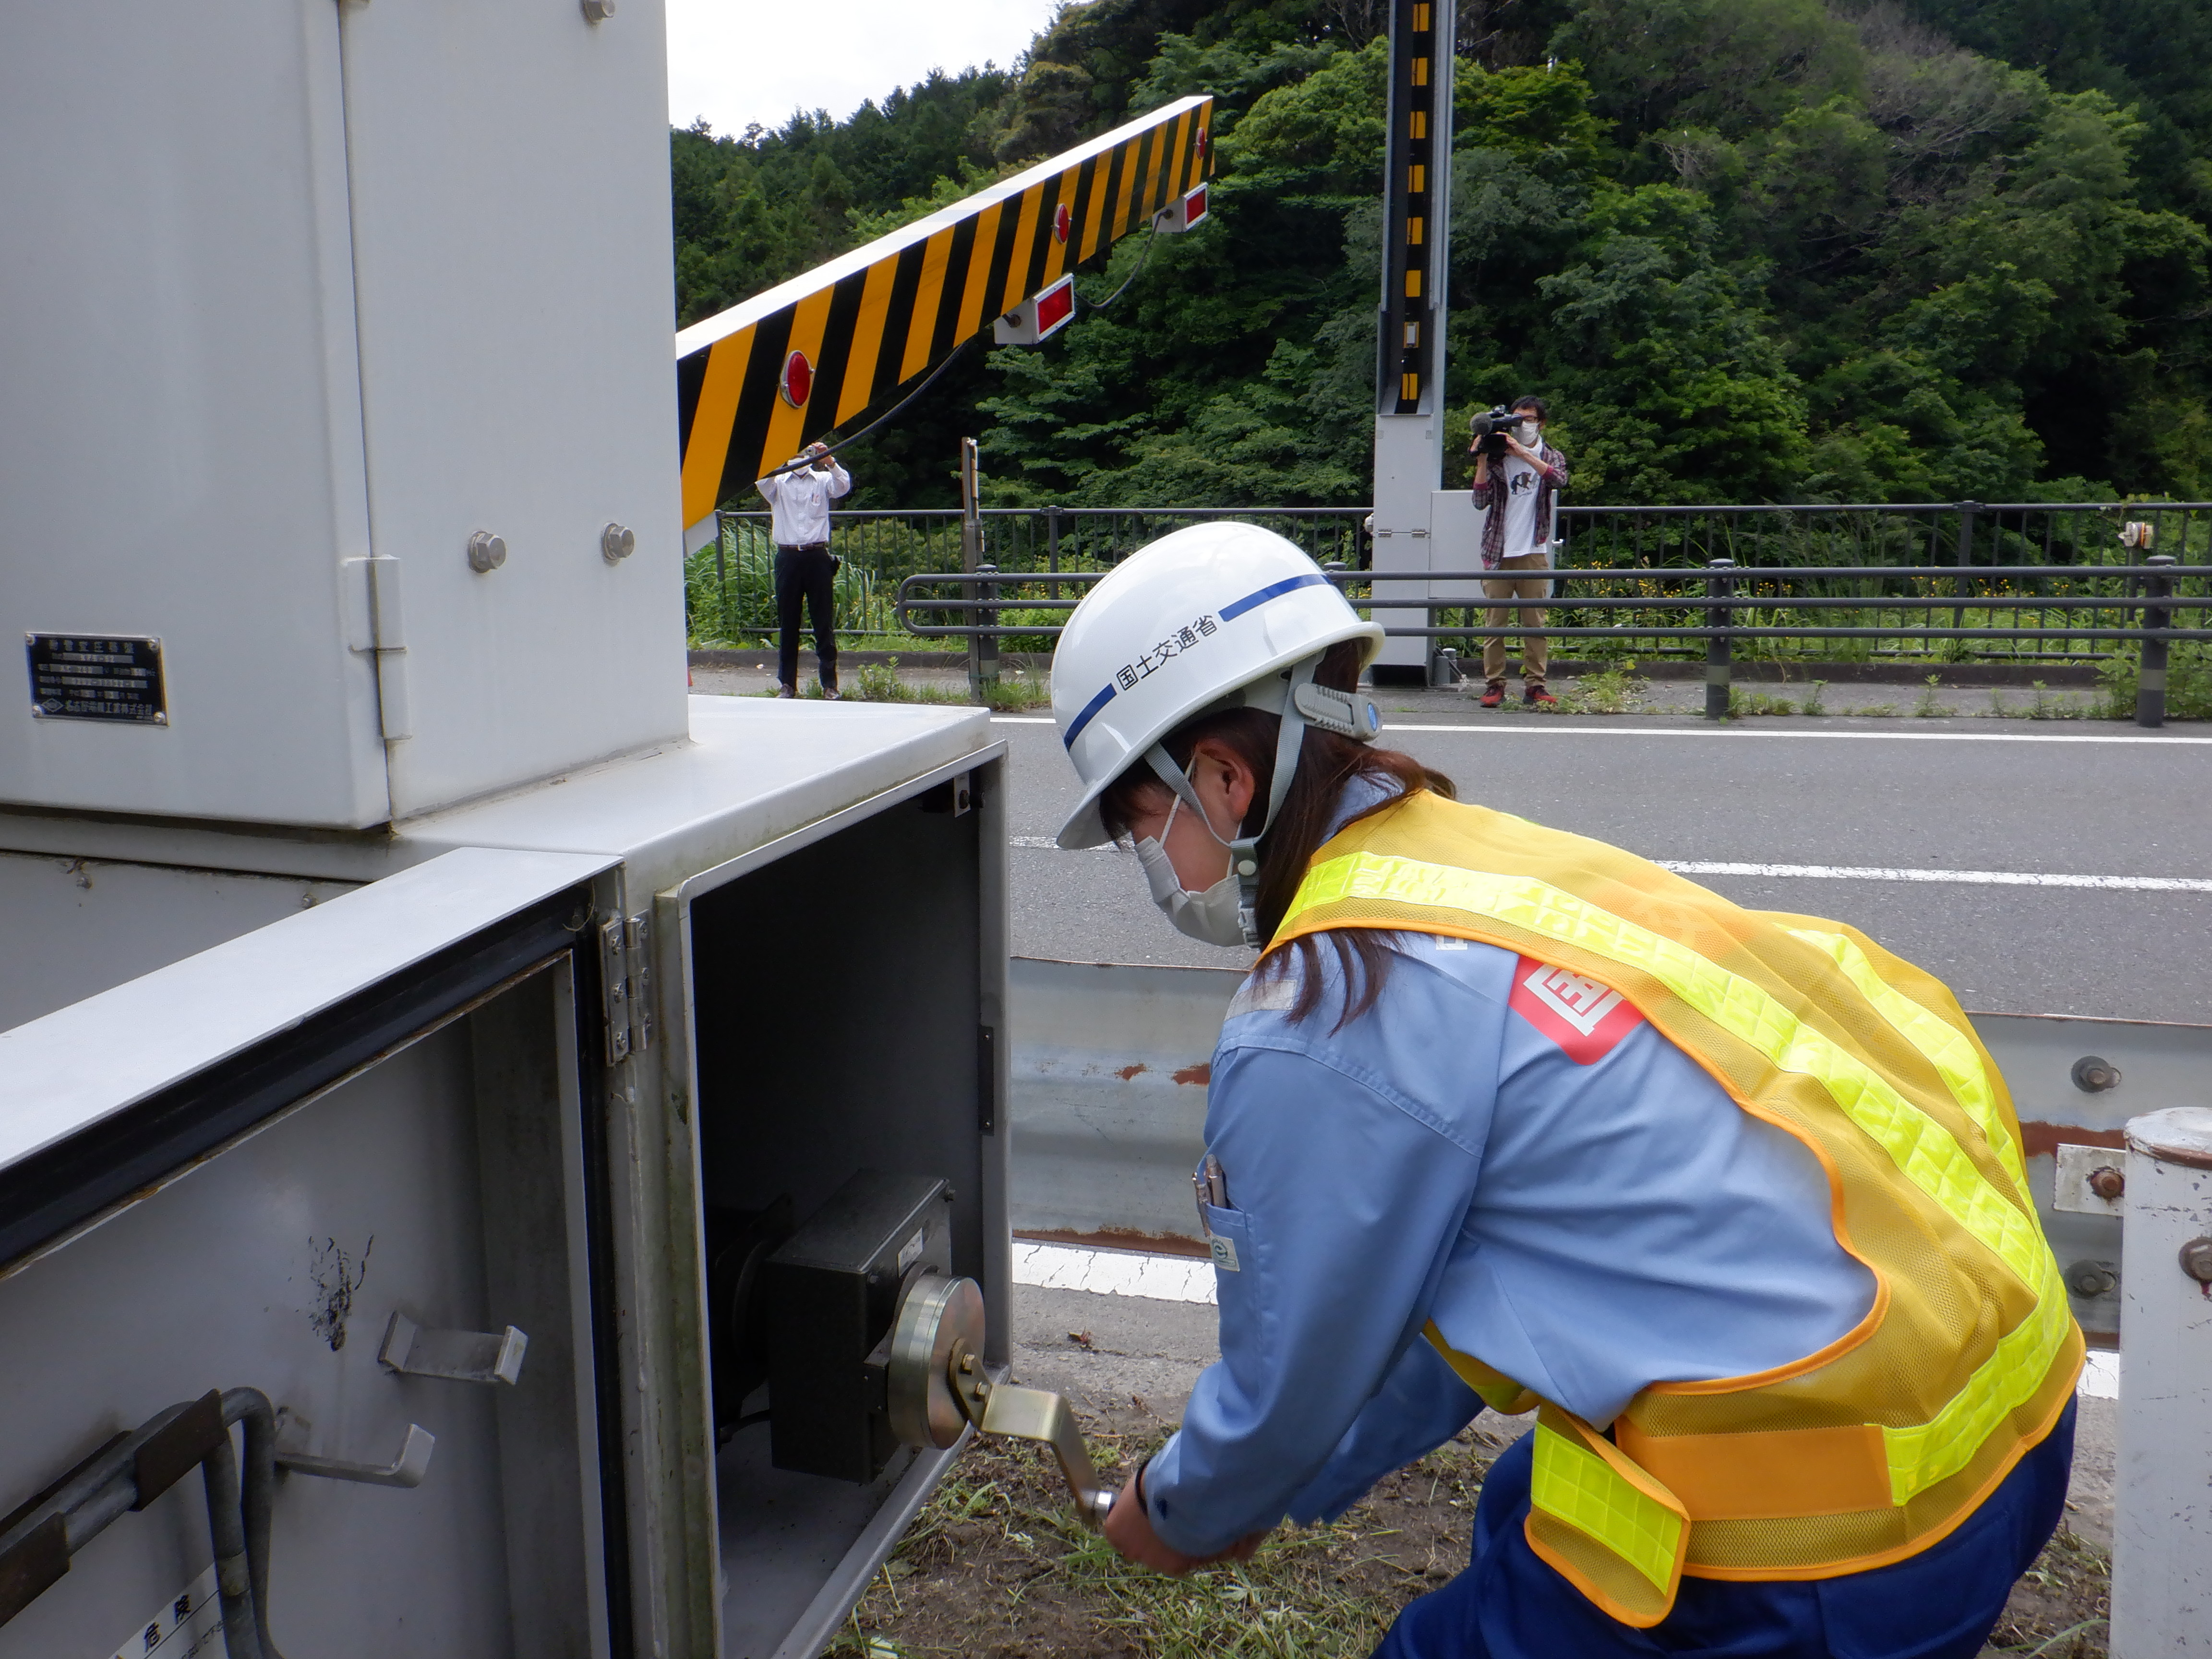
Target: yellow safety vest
[1878, 1445]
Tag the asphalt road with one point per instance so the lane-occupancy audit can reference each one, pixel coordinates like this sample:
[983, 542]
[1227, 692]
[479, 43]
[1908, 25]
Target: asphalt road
[2068, 799]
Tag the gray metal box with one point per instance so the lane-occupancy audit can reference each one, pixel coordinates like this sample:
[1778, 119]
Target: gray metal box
[362, 281]
[832, 1294]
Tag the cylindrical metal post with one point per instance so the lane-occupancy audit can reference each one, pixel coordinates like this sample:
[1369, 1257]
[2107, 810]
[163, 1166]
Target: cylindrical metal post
[721, 581]
[987, 656]
[2150, 677]
[1720, 648]
[1964, 558]
[1052, 545]
[971, 555]
[2162, 1490]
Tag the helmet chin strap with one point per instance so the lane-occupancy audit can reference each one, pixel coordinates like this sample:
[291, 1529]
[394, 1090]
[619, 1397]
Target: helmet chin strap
[1244, 851]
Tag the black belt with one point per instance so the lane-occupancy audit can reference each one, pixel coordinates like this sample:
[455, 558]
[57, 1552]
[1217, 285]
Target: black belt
[802, 547]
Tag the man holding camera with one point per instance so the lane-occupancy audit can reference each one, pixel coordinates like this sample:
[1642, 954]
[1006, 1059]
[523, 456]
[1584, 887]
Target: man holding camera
[799, 497]
[1517, 478]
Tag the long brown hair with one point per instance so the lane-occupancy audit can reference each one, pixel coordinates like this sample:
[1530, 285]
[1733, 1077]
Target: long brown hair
[1326, 762]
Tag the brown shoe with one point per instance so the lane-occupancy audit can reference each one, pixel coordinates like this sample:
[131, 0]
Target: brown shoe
[1536, 697]
[829, 694]
[787, 691]
[1493, 694]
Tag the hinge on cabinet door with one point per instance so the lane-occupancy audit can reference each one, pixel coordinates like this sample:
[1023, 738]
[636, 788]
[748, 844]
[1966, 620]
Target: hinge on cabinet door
[640, 941]
[626, 983]
[614, 986]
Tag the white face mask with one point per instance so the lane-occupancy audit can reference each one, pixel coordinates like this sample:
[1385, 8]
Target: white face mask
[1527, 434]
[1211, 916]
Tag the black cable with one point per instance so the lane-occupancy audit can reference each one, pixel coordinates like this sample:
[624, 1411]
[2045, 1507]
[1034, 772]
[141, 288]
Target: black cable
[728, 1431]
[806, 461]
[1134, 273]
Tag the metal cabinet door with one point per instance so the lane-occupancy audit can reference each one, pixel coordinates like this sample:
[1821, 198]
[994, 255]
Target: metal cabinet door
[233, 1173]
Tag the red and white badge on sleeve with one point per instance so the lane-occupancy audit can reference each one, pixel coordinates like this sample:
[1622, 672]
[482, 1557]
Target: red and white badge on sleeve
[1585, 1018]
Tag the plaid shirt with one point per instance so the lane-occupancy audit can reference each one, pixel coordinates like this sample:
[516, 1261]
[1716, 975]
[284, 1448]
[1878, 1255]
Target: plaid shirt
[1490, 495]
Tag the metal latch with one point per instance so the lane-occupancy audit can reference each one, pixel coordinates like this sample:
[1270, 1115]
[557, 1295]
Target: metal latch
[292, 1431]
[626, 982]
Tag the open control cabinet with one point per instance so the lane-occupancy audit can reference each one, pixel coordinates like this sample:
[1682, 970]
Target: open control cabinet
[847, 995]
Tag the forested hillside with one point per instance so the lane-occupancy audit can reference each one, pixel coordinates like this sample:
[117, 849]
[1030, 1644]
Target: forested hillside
[1753, 250]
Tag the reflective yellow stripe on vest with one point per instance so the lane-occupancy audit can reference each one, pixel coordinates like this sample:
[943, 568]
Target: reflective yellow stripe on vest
[1596, 1512]
[1952, 1055]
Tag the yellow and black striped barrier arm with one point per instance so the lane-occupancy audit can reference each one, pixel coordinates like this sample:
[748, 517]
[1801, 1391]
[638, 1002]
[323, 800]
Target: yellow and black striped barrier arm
[761, 381]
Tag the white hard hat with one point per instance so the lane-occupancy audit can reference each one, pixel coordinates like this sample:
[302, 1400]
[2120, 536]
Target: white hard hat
[1188, 623]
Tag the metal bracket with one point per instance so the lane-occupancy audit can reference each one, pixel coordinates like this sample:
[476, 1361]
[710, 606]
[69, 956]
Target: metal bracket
[2090, 1180]
[457, 1356]
[626, 984]
[405, 1470]
[638, 937]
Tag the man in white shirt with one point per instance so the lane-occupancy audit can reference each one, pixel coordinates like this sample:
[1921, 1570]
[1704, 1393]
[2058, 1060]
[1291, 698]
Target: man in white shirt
[798, 504]
[1517, 491]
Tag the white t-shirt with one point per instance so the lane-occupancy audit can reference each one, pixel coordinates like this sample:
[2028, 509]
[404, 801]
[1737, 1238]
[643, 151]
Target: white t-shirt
[801, 503]
[1521, 482]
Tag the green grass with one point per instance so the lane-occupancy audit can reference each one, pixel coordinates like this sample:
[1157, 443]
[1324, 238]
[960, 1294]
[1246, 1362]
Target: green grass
[879, 682]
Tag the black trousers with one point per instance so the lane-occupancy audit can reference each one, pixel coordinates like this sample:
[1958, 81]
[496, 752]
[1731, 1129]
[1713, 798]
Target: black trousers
[809, 573]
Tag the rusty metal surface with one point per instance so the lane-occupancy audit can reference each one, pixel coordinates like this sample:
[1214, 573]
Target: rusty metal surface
[1108, 1097]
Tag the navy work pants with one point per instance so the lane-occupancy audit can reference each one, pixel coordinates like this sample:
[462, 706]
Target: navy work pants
[807, 573]
[1939, 1604]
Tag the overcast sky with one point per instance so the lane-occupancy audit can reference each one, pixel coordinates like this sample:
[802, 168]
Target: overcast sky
[740, 61]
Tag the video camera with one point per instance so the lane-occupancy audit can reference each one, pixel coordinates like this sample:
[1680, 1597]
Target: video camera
[1490, 427]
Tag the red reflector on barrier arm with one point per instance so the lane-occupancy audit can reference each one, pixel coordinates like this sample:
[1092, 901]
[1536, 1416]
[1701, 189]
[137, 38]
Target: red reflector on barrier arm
[1062, 222]
[798, 380]
[1055, 307]
[1184, 213]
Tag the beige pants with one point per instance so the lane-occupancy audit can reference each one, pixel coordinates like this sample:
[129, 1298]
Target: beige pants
[1536, 651]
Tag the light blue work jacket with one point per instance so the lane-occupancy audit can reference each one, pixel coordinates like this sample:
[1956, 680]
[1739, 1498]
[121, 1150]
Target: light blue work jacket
[1497, 1147]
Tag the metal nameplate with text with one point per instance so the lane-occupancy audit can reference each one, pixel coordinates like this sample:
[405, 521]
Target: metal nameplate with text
[77, 676]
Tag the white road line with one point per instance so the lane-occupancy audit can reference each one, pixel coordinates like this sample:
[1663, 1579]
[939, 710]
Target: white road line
[1738, 732]
[1113, 1273]
[2100, 1375]
[1188, 1279]
[1855, 872]
[1972, 878]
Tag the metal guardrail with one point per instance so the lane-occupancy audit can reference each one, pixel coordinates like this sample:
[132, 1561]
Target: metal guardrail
[1719, 604]
[730, 582]
[1109, 1069]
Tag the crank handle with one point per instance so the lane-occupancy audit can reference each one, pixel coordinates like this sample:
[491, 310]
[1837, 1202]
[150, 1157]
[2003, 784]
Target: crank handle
[1036, 1414]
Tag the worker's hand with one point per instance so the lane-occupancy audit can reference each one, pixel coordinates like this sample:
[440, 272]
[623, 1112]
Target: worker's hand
[1129, 1529]
[1523, 451]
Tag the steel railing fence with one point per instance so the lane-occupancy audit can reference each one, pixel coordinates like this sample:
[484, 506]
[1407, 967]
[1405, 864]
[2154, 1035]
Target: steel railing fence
[730, 583]
[1919, 584]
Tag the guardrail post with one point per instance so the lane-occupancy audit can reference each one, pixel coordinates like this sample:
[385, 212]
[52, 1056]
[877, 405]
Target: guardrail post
[2162, 1506]
[971, 555]
[1963, 557]
[987, 656]
[721, 581]
[1052, 544]
[2150, 679]
[1720, 648]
